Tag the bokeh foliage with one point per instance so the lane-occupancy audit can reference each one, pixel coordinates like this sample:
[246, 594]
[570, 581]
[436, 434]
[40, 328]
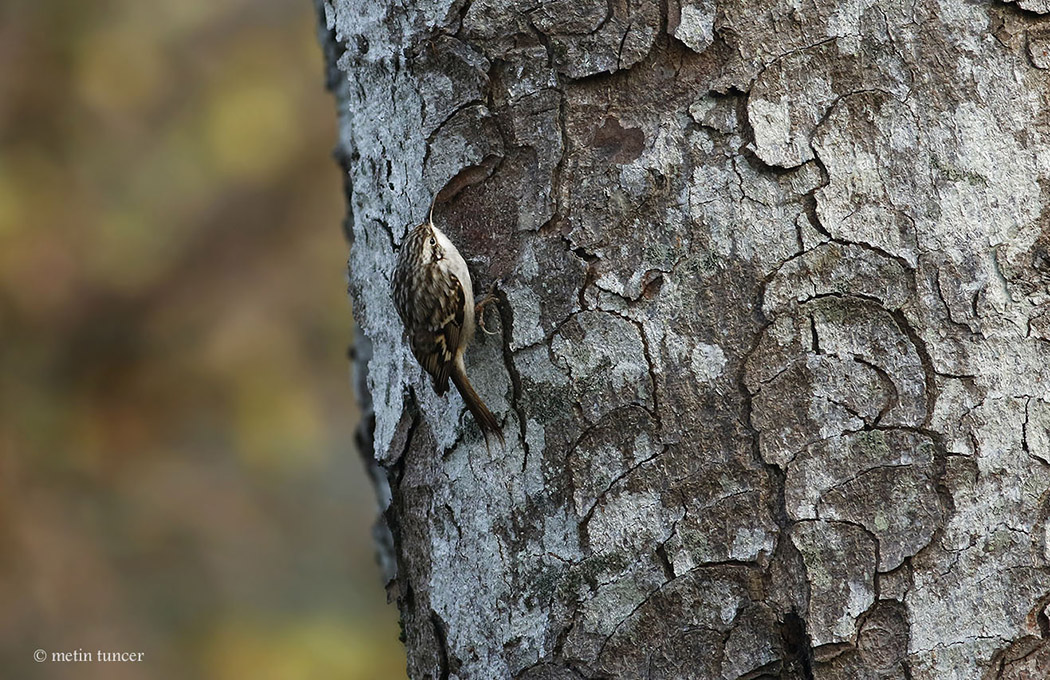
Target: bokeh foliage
[177, 474]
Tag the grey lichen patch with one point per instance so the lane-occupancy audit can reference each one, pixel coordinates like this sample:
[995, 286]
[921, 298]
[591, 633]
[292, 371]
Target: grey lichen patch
[1036, 6]
[619, 443]
[708, 362]
[726, 192]
[588, 38]
[838, 461]
[969, 654]
[879, 152]
[466, 139]
[715, 112]
[476, 517]
[606, 606]
[849, 478]
[793, 94]
[840, 569]
[1039, 49]
[870, 146]
[835, 365]
[714, 532]
[836, 268]
[987, 545]
[761, 38]
[692, 22]
[496, 25]
[527, 305]
[687, 618]
[1036, 430]
[943, 623]
[381, 129]
[630, 522]
[450, 73]
[604, 359]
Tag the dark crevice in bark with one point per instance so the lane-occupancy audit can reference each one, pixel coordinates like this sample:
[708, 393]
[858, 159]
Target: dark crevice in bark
[506, 314]
[460, 14]
[442, 644]
[581, 252]
[924, 359]
[887, 382]
[590, 272]
[939, 290]
[809, 206]
[665, 563]
[798, 650]
[623, 39]
[652, 282]
[451, 515]
[1024, 429]
[795, 642]
[655, 412]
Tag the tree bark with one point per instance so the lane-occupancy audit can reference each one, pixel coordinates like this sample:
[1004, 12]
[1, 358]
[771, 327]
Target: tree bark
[774, 333]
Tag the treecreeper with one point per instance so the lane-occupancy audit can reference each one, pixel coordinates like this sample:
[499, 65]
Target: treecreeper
[434, 297]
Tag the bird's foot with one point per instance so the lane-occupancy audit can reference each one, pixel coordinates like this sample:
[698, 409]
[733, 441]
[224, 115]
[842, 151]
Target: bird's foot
[479, 308]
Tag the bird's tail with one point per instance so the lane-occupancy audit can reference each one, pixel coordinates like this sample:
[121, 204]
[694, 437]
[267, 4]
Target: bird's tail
[484, 418]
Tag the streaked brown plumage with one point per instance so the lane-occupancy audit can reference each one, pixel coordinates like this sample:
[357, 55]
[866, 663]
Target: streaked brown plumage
[434, 297]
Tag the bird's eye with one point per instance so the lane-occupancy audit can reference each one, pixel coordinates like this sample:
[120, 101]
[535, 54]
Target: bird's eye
[433, 242]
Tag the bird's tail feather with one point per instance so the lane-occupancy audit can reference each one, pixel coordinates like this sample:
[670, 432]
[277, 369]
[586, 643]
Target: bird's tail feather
[484, 418]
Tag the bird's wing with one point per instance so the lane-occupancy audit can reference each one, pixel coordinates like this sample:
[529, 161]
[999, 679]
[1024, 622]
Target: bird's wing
[440, 327]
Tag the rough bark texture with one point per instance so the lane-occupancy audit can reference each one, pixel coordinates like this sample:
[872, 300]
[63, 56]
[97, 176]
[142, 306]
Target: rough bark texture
[774, 342]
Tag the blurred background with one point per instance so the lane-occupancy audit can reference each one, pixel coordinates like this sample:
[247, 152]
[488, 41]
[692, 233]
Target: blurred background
[177, 472]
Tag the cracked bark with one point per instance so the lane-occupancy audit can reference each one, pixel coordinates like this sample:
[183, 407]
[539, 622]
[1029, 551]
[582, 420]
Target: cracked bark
[773, 351]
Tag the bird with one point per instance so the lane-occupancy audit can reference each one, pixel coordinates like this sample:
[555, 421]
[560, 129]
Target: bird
[434, 298]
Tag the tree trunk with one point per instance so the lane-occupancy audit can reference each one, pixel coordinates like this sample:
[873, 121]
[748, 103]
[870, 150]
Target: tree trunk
[774, 333]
